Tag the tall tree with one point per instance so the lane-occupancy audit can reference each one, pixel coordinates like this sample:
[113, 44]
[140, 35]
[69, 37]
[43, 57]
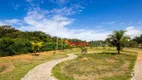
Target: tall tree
[117, 39]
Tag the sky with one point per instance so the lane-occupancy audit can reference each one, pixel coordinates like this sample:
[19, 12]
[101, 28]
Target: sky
[81, 19]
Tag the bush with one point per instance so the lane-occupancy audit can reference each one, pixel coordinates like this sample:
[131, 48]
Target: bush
[9, 47]
[6, 47]
[83, 50]
[49, 46]
[22, 46]
[52, 46]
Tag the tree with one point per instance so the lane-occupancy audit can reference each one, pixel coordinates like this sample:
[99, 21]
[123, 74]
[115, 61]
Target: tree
[6, 47]
[6, 29]
[14, 42]
[138, 39]
[117, 39]
[36, 46]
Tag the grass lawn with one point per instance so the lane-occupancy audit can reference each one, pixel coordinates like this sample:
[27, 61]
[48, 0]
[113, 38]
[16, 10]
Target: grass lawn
[15, 67]
[97, 66]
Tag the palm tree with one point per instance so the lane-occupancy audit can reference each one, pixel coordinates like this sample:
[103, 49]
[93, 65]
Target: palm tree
[117, 39]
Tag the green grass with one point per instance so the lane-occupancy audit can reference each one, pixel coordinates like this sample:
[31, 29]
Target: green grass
[97, 66]
[15, 67]
[18, 66]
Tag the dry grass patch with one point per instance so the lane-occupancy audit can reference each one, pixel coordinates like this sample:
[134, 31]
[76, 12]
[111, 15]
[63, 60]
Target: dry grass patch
[15, 67]
[6, 67]
[98, 66]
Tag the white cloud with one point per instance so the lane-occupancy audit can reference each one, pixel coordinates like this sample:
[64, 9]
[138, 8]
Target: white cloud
[36, 20]
[139, 22]
[2, 23]
[55, 22]
[122, 23]
[29, 0]
[67, 11]
[13, 21]
[112, 22]
[15, 6]
[130, 23]
[98, 26]
[60, 2]
[39, 20]
[132, 31]
[10, 22]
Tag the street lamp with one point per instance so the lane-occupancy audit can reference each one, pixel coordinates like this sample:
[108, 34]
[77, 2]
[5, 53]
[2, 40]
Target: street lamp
[57, 36]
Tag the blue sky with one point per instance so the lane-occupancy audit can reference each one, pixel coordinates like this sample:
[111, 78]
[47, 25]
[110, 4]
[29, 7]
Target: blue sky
[82, 19]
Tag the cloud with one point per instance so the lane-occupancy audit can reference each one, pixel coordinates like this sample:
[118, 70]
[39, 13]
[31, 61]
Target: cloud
[33, 3]
[29, 0]
[13, 21]
[139, 23]
[49, 25]
[15, 6]
[55, 22]
[60, 2]
[98, 26]
[55, 25]
[10, 22]
[130, 23]
[112, 22]
[132, 31]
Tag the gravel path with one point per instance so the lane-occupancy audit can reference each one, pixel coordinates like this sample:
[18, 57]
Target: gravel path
[43, 71]
[138, 68]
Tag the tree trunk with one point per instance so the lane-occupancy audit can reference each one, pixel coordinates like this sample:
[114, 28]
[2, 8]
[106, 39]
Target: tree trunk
[118, 51]
[118, 48]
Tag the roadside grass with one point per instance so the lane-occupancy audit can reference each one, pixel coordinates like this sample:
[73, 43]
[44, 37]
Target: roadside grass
[15, 67]
[105, 65]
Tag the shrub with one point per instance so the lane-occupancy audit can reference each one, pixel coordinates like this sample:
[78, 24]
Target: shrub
[6, 47]
[9, 47]
[83, 50]
[49, 46]
[22, 46]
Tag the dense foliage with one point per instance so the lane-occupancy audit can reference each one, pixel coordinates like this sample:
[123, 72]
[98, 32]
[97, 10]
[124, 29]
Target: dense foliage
[138, 39]
[98, 43]
[14, 42]
[118, 39]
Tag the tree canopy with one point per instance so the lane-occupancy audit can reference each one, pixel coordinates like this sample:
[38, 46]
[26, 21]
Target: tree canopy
[118, 38]
[13, 41]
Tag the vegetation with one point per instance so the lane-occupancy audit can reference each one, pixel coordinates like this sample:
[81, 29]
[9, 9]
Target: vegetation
[103, 63]
[98, 43]
[83, 50]
[14, 42]
[97, 66]
[9, 47]
[117, 39]
[36, 46]
[15, 67]
[138, 40]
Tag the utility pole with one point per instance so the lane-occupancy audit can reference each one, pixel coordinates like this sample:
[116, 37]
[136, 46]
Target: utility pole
[57, 36]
